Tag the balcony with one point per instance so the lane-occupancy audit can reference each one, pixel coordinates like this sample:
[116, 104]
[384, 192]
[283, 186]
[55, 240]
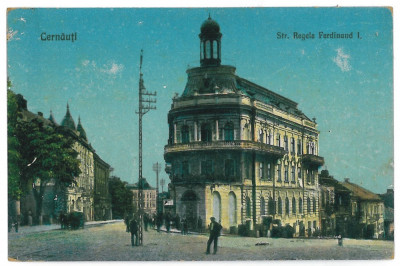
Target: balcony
[312, 160]
[240, 145]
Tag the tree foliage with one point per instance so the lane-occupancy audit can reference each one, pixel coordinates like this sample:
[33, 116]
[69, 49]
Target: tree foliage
[38, 152]
[46, 154]
[121, 197]
[13, 155]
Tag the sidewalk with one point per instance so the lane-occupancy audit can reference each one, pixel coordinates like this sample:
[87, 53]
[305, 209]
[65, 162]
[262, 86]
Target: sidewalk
[42, 228]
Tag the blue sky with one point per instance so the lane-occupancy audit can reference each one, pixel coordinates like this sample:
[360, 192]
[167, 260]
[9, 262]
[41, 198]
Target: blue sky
[347, 85]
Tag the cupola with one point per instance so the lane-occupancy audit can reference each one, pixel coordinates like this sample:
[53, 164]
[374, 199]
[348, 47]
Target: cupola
[210, 43]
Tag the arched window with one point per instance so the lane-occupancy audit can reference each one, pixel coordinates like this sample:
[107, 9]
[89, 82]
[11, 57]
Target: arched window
[201, 51]
[248, 207]
[261, 136]
[206, 134]
[232, 209]
[271, 206]
[280, 211]
[185, 134]
[215, 50]
[228, 131]
[262, 206]
[287, 205]
[208, 49]
[308, 205]
[294, 205]
[300, 205]
[217, 206]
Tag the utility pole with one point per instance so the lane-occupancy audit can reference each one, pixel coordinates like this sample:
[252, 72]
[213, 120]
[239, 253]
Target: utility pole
[157, 169]
[145, 105]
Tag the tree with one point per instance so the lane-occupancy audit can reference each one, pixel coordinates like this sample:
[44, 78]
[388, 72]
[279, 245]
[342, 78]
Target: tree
[13, 155]
[121, 197]
[46, 153]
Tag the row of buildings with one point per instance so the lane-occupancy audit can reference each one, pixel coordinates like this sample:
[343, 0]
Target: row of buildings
[88, 195]
[244, 154]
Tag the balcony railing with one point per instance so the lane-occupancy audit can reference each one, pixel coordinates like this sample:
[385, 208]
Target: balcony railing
[226, 145]
[311, 159]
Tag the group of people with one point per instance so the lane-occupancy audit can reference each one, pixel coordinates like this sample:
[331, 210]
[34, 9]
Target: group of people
[133, 227]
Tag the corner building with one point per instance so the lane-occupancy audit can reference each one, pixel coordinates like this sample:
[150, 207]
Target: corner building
[238, 151]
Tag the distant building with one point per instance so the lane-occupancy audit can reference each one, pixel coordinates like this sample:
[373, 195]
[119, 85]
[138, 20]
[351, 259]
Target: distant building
[367, 208]
[388, 199]
[238, 151]
[349, 210]
[149, 197]
[90, 193]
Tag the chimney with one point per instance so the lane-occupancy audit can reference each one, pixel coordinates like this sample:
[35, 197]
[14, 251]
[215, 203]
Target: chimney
[347, 180]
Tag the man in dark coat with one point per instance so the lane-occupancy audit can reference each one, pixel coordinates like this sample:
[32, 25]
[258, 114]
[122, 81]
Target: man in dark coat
[133, 228]
[215, 229]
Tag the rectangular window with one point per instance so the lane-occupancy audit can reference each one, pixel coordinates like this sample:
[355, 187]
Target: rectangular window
[286, 174]
[292, 145]
[269, 171]
[261, 170]
[278, 169]
[278, 140]
[293, 174]
[299, 147]
[286, 143]
[312, 177]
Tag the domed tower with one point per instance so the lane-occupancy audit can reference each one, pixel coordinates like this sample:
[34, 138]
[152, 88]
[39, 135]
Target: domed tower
[80, 129]
[68, 121]
[210, 43]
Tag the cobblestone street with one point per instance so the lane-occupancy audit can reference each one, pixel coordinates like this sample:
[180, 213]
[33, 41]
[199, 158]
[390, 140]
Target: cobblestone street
[110, 242]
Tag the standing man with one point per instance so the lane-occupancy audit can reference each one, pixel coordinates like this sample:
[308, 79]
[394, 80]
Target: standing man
[133, 227]
[215, 229]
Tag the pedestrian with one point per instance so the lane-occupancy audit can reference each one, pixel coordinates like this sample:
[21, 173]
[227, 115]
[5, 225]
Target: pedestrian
[215, 230]
[177, 222]
[159, 221]
[133, 228]
[168, 222]
[199, 224]
[185, 226]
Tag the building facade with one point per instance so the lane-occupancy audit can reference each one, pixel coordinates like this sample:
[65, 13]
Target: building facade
[89, 194]
[149, 197]
[238, 151]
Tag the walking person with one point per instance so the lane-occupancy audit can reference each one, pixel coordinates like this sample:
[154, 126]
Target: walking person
[133, 228]
[215, 230]
[199, 225]
[168, 222]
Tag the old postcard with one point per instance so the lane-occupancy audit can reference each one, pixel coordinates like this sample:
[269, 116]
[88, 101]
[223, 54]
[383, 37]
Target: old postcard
[200, 134]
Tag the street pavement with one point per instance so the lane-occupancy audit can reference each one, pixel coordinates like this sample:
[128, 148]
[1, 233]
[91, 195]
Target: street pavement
[111, 242]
